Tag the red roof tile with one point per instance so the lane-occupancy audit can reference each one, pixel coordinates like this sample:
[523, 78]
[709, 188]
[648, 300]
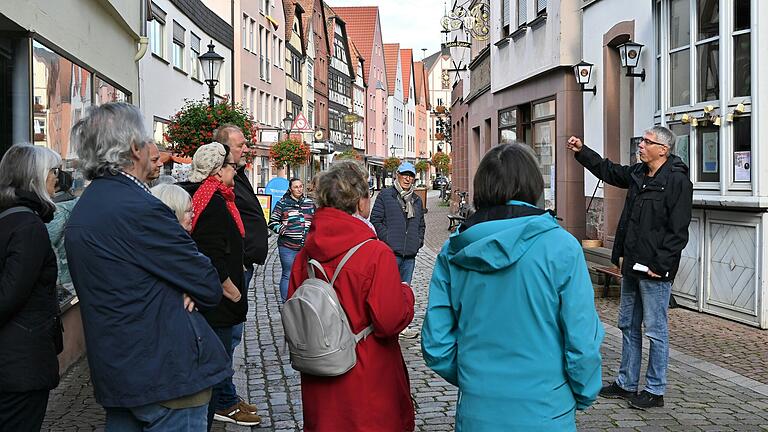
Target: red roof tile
[361, 29]
[406, 59]
[391, 52]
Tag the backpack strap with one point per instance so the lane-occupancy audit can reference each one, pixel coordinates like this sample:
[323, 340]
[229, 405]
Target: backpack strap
[311, 265]
[364, 334]
[345, 259]
[17, 209]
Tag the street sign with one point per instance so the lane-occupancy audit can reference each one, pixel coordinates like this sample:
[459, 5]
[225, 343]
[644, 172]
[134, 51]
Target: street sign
[300, 124]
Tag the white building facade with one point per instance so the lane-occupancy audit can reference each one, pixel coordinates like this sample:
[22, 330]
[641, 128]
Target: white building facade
[705, 81]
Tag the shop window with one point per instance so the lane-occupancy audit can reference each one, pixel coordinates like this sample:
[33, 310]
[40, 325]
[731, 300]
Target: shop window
[106, 92]
[65, 91]
[742, 81]
[508, 126]
[543, 145]
[708, 154]
[683, 143]
[742, 149]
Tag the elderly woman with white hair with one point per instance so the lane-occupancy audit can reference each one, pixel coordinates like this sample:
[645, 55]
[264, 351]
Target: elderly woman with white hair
[178, 200]
[30, 332]
[218, 230]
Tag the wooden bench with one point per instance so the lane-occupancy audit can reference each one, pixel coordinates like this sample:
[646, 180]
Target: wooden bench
[454, 221]
[608, 274]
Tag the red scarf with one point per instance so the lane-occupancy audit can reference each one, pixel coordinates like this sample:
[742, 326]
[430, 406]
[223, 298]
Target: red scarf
[204, 194]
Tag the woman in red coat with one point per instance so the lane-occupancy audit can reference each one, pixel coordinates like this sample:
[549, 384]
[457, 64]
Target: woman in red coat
[375, 394]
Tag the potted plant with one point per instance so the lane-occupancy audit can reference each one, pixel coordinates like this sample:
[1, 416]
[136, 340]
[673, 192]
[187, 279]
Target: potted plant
[193, 125]
[288, 153]
[391, 164]
[349, 154]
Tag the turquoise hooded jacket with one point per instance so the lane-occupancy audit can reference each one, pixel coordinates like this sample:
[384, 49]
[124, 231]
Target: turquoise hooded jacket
[511, 321]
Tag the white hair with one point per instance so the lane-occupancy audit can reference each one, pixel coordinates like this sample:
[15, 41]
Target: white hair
[25, 167]
[174, 196]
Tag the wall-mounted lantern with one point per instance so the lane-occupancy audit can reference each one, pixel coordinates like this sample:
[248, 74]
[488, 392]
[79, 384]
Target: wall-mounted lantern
[630, 57]
[583, 72]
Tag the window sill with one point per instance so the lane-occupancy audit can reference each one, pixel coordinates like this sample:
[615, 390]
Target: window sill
[502, 42]
[197, 80]
[161, 58]
[517, 34]
[539, 21]
[181, 71]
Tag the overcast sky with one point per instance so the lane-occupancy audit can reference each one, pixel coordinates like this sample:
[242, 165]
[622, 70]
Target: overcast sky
[411, 23]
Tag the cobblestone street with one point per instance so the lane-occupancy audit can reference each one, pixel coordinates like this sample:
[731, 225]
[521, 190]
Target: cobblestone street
[717, 369]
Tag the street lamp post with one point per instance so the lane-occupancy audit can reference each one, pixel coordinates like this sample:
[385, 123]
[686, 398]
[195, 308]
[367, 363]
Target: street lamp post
[211, 63]
[287, 125]
[392, 150]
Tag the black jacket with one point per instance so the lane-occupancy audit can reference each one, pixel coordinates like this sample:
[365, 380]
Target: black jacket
[218, 238]
[256, 233]
[404, 236]
[653, 228]
[28, 303]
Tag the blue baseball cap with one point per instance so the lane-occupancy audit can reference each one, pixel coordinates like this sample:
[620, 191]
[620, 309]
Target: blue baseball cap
[406, 167]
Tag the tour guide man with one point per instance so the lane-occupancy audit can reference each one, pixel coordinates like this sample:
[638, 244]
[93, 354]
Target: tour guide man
[651, 235]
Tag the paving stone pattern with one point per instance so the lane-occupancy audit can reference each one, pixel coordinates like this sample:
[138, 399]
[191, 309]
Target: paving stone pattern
[708, 391]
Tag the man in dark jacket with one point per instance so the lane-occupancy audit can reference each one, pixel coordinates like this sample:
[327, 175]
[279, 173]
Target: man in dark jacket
[398, 216]
[650, 237]
[153, 357]
[256, 233]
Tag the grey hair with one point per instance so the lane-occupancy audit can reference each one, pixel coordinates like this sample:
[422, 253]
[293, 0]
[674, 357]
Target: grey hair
[664, 136]
[342, 186]
[25, 167]
[223, 132]
[163, 179]
[174, 196]
[104, 138]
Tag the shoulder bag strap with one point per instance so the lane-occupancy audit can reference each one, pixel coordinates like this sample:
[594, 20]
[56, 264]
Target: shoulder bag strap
[311, 265]
[17, 209]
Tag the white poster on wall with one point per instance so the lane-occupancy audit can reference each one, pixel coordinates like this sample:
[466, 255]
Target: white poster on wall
[710, 156]
[742, 164]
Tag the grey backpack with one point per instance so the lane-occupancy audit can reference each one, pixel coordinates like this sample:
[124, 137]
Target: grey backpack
[316, 326]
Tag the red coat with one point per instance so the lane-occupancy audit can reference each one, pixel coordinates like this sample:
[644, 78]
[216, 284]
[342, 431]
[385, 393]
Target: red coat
[375, 394]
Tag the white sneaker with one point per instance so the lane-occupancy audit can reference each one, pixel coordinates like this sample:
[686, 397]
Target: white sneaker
[410, 333]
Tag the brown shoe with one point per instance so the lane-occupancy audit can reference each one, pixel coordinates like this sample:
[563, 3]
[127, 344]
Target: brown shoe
[238, 416]
[245, 406]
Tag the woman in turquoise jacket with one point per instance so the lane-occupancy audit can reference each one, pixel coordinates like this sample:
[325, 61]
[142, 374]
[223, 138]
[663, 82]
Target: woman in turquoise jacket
[511, 318]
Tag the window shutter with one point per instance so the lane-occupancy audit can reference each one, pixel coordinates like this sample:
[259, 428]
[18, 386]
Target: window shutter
[194, 42]
[541, 5]
[178, 33]
[158, 14]
[522, 12]
[505, 13]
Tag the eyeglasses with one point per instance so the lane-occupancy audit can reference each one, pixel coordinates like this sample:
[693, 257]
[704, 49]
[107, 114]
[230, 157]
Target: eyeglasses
[232, 164]
[55, 171]
[647, 141]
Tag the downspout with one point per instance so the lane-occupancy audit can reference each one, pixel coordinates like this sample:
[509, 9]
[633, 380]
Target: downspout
[143, 39]
[232, 68]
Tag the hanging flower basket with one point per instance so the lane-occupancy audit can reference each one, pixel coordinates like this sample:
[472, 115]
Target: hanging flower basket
[195, 123]
[439, 136]
[442, 162]
[422, 166]
[440, 109]
[288, 153]
[391, 164]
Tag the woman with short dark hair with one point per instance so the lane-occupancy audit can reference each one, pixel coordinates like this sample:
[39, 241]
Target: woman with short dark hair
[511, 318]
[30, 332]
[375, 394]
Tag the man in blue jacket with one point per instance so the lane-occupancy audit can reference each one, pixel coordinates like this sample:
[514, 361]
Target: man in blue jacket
[398, 216]
[139, 277]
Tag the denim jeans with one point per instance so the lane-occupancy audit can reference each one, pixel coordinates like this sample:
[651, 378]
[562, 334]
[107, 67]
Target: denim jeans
[287, 255]
[406, 266]
[218, 395]
[644, 301]
[229, 391]
[156, 418]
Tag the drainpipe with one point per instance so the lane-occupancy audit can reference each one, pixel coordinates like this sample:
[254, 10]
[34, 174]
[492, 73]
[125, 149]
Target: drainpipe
[143, 39]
